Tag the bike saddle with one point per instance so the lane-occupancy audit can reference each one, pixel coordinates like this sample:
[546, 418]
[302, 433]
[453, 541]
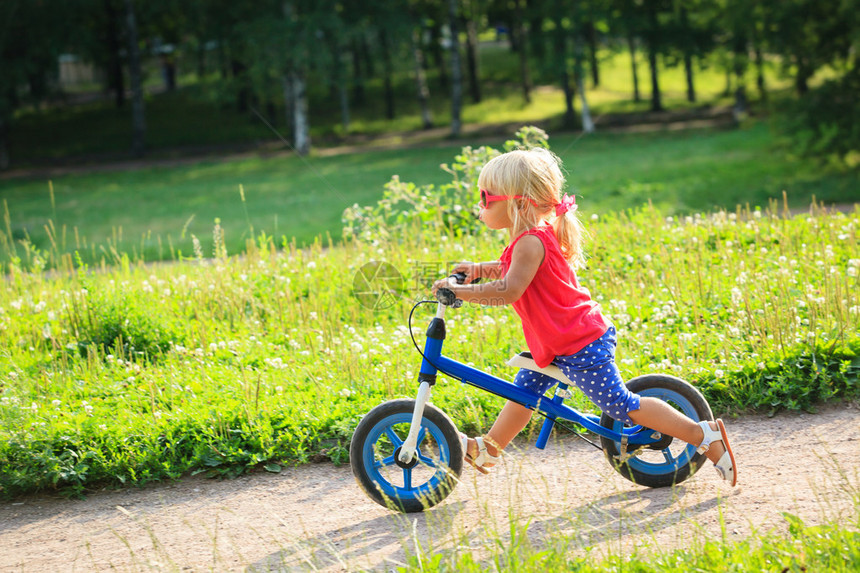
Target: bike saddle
[525, 360]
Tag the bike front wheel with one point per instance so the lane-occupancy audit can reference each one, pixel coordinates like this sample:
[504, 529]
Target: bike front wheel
[419, 484]
[668, 461]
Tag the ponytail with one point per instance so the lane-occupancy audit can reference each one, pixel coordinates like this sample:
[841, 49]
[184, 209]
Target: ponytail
[571, 235]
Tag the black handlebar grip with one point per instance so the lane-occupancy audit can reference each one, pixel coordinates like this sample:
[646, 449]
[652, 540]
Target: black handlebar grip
[461, 278]
[446, 296]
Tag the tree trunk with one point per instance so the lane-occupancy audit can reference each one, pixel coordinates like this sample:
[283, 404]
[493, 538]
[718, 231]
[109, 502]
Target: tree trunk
[438, 56]
[345, 119]
[653, 49]
[456, 72]
[367, 60]
[739, 110]
[804, 72]
[201, 60]
[759, 67]
[243, 97]
[587, 123]
[289, 105]
[37, 83]
[340, 86]
[560, 40]
[4, 145]
[472, 60]
[300, 119]
[339, 82]
[688, 55]
[591, 38]
[688, 73]
[223, 59]
[514, 38]
[387, 72]
[536, 37]
[421, 80]
[631, 44]
[116, 81]
[656, 99]
[569, 120]
[357, 75]
[137, 113]
[518, 35]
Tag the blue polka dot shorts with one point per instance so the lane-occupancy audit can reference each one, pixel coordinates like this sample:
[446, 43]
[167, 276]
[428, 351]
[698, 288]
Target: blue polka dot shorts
[593, 370]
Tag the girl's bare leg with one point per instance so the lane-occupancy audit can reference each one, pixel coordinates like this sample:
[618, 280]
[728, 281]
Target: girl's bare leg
[511, 421]
[660, 416]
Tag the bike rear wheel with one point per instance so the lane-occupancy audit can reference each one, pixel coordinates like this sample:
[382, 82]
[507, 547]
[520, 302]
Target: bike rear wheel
[424, 481]
[669, 461]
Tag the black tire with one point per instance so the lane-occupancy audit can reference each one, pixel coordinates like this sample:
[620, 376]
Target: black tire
[669, 461]
[423, 483]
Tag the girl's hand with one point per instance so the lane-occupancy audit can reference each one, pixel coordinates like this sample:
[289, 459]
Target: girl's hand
[471, 270]
[447, 283]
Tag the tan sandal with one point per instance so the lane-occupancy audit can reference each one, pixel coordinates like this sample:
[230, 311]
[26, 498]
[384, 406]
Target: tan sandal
[484, 457]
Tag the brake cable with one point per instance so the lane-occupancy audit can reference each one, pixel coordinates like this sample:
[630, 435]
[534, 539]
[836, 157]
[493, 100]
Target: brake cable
[415, 343]
[572, 430]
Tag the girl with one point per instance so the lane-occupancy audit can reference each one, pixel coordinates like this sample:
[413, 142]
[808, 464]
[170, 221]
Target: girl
[521, 192]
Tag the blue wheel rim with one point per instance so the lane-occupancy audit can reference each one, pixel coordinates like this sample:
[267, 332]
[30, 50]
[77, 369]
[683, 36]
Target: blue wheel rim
[409, 490]
[671, 462]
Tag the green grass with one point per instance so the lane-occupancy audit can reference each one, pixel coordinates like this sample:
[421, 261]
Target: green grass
[832, 546]
[154, 212]
[151, 214]
[138, 373]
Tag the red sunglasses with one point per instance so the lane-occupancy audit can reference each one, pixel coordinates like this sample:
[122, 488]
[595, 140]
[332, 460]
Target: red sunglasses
[487, 198]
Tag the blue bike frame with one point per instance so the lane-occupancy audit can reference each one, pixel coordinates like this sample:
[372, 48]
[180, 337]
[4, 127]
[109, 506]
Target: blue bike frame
[553, 408]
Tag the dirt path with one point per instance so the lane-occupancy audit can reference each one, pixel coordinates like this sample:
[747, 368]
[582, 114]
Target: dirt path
[316, 517]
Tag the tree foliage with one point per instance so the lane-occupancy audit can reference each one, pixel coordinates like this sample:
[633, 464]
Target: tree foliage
[296, 59]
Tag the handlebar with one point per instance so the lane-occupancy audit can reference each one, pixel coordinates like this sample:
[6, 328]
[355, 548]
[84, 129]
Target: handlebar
[447, 296]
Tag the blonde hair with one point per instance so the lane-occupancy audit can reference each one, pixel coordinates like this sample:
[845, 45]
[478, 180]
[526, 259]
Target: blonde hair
[536, 174]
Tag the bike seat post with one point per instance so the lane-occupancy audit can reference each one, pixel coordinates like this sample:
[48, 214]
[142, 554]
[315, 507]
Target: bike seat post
[561, 393]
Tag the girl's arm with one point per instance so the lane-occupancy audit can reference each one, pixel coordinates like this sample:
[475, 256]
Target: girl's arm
[473, 271]
[489, 270]
[526, 258]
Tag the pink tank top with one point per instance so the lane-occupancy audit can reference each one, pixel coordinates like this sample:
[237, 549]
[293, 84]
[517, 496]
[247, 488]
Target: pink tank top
[559, 318]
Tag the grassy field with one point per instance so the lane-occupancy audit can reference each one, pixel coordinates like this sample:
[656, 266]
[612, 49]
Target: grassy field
[833, 547]
[217, 365]
[224, 364]
[152, 214]
[139, 374]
